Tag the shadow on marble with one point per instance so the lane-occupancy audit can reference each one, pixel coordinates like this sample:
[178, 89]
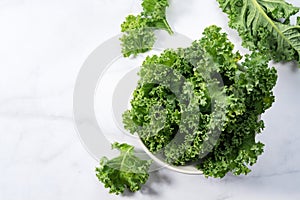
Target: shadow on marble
[156, 178]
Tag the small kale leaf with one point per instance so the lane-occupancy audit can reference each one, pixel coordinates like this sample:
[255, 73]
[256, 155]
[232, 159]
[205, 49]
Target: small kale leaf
[139, 30]
[126, 171]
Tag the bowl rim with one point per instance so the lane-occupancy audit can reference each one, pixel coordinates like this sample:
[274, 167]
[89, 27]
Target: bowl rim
[179, 169]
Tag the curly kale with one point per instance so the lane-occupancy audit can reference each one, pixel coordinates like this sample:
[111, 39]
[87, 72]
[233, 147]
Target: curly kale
[265, 25]
[124, 171]
[202, 105]
[139, 30]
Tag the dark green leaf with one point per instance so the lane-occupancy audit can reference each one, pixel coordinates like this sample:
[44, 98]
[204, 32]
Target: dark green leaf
[139, 30]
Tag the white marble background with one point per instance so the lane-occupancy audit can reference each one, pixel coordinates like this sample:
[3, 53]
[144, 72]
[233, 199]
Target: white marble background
[43, 44]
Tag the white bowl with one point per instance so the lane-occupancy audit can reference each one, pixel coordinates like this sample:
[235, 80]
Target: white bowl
[103, 92]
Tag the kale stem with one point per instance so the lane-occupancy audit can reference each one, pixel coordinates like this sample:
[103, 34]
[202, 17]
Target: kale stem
[168, 28]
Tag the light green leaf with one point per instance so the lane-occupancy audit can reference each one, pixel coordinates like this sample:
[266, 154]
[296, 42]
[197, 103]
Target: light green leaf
[264, 25]
[124, 171]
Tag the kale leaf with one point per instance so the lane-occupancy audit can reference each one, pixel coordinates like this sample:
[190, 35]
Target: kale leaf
[201, 104]
[139, 30]
[265, 25]
[125, 171]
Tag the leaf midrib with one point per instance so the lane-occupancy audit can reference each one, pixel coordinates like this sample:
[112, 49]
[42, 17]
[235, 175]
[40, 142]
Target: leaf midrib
[124, 157]
[256, 4]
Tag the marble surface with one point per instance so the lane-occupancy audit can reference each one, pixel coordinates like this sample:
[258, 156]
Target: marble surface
[43, 44]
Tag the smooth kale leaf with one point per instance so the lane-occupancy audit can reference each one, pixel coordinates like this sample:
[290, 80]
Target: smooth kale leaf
[125, 171]
[139, 30]
[265, 25]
